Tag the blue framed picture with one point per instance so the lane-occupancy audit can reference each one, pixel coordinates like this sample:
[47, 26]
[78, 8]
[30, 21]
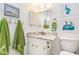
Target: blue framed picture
[11, 11]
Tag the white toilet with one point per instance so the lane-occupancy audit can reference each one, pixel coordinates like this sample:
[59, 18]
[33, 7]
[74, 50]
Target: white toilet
[69, 45]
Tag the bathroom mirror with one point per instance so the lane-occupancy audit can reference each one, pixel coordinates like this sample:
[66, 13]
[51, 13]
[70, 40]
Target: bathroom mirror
[34, 18]
[37, 19]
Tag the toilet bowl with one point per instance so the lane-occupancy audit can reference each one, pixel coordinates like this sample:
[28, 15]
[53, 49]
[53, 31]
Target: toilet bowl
[68, 45]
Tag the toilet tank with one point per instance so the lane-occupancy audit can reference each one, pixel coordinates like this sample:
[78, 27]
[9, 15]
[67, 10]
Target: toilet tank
[69, 45]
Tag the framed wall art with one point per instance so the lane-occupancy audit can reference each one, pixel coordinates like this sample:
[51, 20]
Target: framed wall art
[11, 11]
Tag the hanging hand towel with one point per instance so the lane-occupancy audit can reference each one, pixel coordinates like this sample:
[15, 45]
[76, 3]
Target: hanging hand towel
[19, 39]
[4, 37]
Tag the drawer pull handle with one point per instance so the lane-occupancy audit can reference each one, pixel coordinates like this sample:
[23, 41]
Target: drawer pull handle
[48, 47]
[44, 48]
[36, 46]
[47, 42]
[32, 45]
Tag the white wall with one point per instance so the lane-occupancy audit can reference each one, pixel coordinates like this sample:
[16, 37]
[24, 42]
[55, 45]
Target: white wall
[74, 17]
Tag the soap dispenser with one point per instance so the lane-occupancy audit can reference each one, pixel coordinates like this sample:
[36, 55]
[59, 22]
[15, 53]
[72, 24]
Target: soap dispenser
[54, 24]
[45, 26]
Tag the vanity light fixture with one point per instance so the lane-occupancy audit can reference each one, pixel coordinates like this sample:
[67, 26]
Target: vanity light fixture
[38, 7]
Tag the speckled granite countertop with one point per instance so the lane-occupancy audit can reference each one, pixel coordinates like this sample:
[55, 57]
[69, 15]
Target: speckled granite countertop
[42, 35]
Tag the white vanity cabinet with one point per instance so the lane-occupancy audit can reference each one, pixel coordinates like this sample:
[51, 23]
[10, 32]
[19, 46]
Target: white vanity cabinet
[40, 43]
[39, 46]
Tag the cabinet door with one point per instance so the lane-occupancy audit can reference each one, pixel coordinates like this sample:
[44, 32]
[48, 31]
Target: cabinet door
[37, 46]
[42, 47]
[31, 45]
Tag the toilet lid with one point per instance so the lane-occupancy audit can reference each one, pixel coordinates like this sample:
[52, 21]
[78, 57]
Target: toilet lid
[66, 53]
